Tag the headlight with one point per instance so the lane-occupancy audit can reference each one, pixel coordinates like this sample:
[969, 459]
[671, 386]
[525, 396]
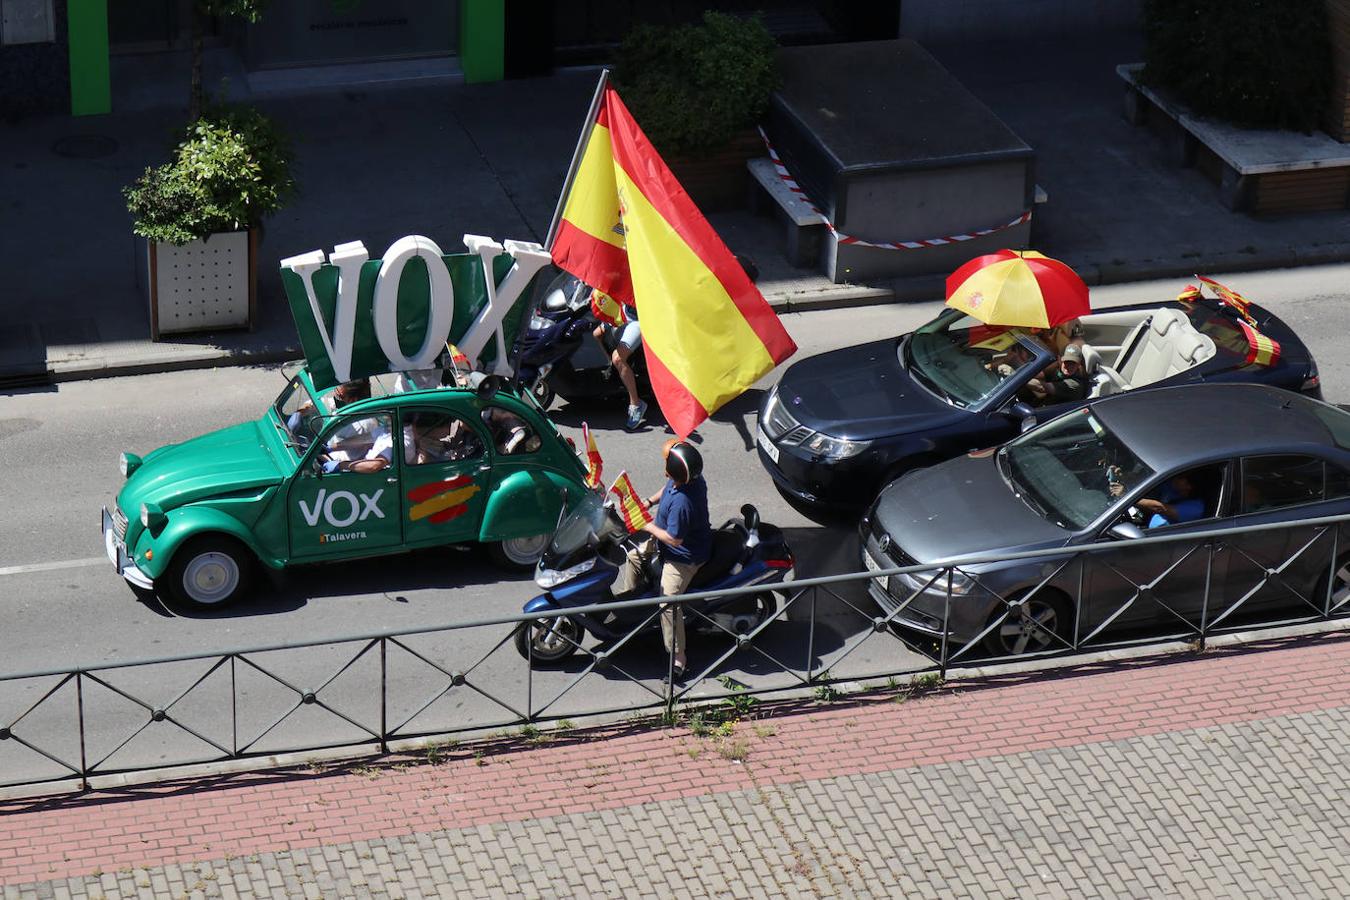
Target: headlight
[919, 581]
[128, 463]
[547, 578]
[539, 323]
[151, 515]
[833, 447]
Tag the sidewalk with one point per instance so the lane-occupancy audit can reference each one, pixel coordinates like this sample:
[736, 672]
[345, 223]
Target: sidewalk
[1214, 775]
[377, 162]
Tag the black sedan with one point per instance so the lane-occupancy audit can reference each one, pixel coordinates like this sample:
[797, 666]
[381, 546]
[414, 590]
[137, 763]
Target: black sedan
[842, 425]
[1170, 462]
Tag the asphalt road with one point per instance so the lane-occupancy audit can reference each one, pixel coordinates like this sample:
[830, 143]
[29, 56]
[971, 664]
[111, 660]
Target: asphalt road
[61, 605]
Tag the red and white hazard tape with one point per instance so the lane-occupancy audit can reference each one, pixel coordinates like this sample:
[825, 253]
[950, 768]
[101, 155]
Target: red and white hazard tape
[792, 185]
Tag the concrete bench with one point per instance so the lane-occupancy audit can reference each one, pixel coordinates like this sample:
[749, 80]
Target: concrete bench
[805, 230]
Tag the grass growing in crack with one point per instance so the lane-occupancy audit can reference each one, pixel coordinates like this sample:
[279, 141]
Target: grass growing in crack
[734, 751]
[739, 703]
[825, 693]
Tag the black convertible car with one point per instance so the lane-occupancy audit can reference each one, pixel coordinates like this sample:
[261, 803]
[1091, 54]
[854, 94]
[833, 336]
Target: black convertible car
[842, 425]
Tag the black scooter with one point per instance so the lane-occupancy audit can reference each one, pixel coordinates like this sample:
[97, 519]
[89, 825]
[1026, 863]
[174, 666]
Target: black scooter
[554, 354]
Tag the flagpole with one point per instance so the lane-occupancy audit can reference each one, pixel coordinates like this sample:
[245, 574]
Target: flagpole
[576, 157]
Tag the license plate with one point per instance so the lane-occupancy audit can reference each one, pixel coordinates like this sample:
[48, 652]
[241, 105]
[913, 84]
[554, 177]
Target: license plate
[115, 549]
[767, 445]
[873, 566]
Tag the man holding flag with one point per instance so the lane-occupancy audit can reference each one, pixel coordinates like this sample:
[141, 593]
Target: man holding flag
[682, 533]
[626, 227]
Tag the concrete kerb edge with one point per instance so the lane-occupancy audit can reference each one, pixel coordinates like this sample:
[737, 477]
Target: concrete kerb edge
[352, 753]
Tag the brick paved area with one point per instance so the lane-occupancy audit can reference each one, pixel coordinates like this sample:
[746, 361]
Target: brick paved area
[1221, 774]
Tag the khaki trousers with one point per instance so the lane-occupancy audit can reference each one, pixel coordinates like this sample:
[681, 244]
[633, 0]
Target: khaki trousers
[675, 579]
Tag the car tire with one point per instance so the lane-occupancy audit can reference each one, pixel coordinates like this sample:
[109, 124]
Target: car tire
[547, 642]
[1015, 635]
[519, 554]
[1340, 588]
[208, 572]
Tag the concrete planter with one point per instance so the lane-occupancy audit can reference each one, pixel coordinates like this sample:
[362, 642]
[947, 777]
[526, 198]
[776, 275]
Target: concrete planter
[206, 285]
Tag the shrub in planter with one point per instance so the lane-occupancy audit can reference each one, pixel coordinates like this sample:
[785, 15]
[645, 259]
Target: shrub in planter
[1256, 63]
[693, 88]
[231, 169]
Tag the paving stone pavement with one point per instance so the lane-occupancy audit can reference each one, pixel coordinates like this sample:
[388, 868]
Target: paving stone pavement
[1220, 774]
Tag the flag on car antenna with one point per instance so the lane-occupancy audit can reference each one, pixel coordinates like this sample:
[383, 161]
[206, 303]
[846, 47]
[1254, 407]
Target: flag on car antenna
[594, 464]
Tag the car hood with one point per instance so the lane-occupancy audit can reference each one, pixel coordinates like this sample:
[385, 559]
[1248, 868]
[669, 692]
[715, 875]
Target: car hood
[222, 462]
[958, 508]
[860, 393]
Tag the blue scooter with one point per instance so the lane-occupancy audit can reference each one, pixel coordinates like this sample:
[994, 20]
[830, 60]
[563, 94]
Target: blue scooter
[582, 561]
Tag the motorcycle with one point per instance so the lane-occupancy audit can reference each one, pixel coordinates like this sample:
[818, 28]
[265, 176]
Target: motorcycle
[582, 561]
[554, 354]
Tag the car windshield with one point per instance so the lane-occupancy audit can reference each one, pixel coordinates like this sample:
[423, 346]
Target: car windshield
[964, 360]
[589, 517]
[1064, 470]
[296, 411]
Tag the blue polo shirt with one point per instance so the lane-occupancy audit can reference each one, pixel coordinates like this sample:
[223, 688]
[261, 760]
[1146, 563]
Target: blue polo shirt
[1188, 509]
[684, 513]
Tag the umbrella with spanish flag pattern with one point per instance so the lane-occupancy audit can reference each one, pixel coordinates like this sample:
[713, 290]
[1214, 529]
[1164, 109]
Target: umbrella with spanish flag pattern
[1019, 288]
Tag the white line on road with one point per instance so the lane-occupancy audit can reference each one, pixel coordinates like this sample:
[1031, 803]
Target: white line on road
[47, 567]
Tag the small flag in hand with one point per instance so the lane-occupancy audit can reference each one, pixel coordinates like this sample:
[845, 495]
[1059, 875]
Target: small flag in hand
[631, 507]
[607, 309]
[594, 464]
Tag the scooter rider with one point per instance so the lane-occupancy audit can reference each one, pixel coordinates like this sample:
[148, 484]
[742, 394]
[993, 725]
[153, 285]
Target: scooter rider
[682, 533]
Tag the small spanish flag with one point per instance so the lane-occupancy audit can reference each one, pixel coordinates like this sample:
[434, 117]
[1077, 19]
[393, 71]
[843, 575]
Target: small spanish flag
[607, 309]
[594, 464]
[1232, 298]
[1189, 294]
[631, 507]
[1264, 351]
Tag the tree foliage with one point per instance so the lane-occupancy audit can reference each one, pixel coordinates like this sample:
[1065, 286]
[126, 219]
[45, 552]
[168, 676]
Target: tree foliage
[231, 168]
[693, 87]
[1255, 63]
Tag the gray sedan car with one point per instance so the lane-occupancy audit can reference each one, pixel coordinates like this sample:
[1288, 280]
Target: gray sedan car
[1172, 461]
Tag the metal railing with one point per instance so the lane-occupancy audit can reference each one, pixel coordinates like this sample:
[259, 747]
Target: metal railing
[368, 691]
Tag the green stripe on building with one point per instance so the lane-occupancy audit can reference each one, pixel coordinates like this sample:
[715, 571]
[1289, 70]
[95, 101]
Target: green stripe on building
[482, 39]
[87, 32]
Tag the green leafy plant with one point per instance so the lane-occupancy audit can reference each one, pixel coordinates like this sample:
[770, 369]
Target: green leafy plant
[825, 693]
[230, 169]
[1255, 63]
[740, 704]
[694, 87]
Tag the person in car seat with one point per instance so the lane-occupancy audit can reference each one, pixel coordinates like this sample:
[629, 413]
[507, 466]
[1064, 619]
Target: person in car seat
[1068, 381]
[1177, 501]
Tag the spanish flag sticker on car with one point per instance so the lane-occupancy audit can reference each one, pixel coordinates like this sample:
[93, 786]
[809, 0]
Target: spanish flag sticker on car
[441, 501]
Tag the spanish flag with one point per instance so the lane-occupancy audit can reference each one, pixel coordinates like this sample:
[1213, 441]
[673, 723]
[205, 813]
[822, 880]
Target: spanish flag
[631, 507]
[607, 309]
[1231, 297]
[629, 230]
[1263, 351]
[594, 464]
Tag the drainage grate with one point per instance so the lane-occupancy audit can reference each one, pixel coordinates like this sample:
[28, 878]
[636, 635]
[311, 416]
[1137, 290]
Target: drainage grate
[84, 146]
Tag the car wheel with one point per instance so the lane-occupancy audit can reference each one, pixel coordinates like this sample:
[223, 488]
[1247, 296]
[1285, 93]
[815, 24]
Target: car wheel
[519, 553]
[1340, 584]
[208, 572]
[548, 641]
[1040, 622]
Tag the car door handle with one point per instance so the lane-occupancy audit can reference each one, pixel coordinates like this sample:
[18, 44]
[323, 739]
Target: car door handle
[392, 479]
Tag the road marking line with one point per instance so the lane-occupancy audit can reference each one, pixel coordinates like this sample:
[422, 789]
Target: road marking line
[47, 567]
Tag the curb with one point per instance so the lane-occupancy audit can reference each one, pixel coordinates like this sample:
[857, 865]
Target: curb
[845, 296]
[71, 787]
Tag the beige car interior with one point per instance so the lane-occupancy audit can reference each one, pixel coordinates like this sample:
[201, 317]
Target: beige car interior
[1129, 349]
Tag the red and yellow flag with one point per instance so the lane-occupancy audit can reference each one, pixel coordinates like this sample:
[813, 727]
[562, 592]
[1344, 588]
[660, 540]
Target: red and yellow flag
[1263, 351]
[631, 507]
[594, 464]
[607, 309]
[629, 230]
[1231, 297]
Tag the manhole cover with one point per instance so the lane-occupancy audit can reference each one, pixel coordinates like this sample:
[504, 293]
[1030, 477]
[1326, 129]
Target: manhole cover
[84, 146]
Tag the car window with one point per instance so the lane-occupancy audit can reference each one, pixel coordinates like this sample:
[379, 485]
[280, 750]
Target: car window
[352, 441]
[436, 436]
[1065, 470]
[1191, 495]
[1272, 482]
[295, 408]
[1336, 420]
[511, 434]
[965, 360]
[1338, 482]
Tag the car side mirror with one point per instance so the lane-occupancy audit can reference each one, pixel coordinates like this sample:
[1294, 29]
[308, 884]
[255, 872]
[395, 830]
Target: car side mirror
[488, 387]
[1023, 411]
[1125, 531]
